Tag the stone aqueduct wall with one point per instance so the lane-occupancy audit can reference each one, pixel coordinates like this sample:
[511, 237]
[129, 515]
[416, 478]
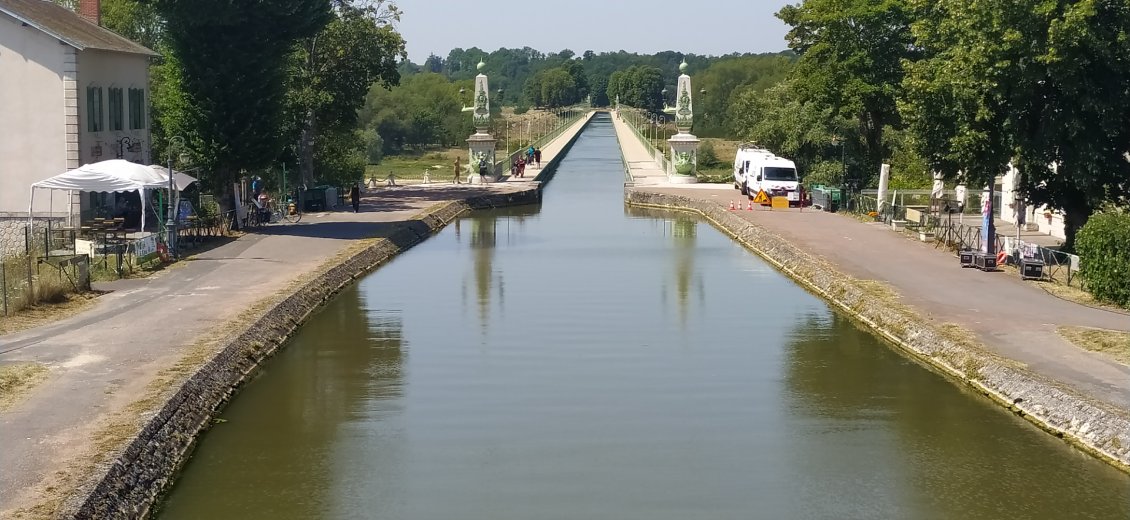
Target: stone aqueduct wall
[1094, 427]
[129, 486]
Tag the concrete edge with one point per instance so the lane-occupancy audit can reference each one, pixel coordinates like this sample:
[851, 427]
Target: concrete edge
[1095, 427]
[130, 485]
[546, 174]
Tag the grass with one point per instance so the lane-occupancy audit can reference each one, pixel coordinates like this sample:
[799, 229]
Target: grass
[438, 161]
[36, 315]
[17, 379]
[1112, 343]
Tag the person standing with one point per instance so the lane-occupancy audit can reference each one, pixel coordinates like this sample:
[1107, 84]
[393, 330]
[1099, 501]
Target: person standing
[457, 172]
[355, 197]
[537, 156]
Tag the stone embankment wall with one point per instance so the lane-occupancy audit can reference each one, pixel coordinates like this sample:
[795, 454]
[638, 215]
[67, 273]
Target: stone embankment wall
[139, 475]
[1095, 427]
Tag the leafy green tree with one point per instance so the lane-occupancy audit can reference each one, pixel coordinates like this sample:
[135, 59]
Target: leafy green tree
[558, 88]
[724, 79]
[233, 60]
[1040, 83]
[599, 89]
[638, 86]
[334, 69]
[851, 55]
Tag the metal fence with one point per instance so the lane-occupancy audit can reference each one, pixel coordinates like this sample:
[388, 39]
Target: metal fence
[572, 115]
[37, 263]
[950, 230]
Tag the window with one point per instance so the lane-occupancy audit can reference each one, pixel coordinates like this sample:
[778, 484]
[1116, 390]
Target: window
[117, 120]
[94, 117]
[780, 174]
[136, 108]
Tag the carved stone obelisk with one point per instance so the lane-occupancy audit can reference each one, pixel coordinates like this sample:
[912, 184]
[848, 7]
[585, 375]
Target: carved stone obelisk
[481, 158]
[684, 145]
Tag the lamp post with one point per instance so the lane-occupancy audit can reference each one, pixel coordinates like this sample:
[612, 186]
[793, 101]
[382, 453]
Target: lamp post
[175, 142]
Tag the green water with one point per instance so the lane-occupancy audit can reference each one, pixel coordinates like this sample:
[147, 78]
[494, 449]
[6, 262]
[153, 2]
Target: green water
[580, 360]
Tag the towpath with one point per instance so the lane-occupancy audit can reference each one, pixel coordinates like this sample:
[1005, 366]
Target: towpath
[102, 359]
[1016, 319]
[639, 158]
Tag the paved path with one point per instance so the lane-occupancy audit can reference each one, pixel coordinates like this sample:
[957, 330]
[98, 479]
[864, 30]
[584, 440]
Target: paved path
[1014, 318]
[640, 159]
[550, 150]
[102, 359]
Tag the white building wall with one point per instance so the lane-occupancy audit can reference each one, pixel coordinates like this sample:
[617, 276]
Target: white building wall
[1049, 222]
[33, 143]
[107, 69]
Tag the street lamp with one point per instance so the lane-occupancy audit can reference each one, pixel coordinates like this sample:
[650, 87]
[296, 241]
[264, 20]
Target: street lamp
[175, 142]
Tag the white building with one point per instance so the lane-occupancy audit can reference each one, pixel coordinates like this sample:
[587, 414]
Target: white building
[71, 93]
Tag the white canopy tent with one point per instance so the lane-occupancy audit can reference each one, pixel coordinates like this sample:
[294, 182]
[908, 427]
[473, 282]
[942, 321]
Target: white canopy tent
[181, 179]
[114, 176]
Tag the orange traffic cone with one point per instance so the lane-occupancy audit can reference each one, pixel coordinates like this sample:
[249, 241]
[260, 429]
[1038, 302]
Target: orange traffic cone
[732, 208]
[749, 206]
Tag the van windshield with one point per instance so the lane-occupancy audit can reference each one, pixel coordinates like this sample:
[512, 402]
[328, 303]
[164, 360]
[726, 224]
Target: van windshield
[780, 174]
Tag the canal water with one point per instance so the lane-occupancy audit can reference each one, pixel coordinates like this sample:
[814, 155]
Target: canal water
[581, 360]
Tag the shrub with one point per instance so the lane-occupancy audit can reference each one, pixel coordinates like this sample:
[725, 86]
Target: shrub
[707, 158]
[521, 109]
[1102, 245]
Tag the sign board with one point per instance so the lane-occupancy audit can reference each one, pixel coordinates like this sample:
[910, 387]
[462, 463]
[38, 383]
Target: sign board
[780, 203]
[145, 247]
[762, 197]
[184, 210]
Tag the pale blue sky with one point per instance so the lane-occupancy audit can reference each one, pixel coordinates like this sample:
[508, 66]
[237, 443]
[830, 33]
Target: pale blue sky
[646, 26]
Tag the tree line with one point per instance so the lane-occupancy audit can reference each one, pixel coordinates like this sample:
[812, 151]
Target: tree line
[961, 88]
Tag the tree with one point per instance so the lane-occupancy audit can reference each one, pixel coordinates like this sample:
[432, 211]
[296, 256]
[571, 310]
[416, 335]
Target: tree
[334, 69]
[558, 88]
[233, 70]
[851, 60]
[1039, 83]
[637, 86]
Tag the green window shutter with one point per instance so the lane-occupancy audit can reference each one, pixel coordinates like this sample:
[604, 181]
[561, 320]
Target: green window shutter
[90, 126]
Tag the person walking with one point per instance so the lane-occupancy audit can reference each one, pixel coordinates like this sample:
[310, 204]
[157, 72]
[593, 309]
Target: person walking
[521, 167]
[355, 197]
[537, 156]
[456, 180]
[530, 154]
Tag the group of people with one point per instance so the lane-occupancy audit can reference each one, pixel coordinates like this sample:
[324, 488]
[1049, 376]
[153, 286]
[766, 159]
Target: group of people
[532, 156]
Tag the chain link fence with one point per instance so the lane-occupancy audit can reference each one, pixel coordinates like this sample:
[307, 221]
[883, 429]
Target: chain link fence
[38, 263]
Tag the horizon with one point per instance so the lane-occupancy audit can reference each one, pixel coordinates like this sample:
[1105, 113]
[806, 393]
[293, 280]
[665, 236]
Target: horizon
[652, 31]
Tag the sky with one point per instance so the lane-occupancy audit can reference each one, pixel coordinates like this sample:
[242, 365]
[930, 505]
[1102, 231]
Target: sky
[710, 27]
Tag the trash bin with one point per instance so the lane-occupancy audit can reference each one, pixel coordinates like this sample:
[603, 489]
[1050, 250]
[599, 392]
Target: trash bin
[314, 199]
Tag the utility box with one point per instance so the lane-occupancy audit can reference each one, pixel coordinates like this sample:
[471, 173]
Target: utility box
[985, 261]
[966, 257]
[1031, 269]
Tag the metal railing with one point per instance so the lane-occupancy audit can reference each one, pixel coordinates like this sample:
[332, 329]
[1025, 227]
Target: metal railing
[951, 232]
[572, 115]
[636, 118]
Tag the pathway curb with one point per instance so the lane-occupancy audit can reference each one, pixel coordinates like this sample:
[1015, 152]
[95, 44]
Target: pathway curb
[1097, 428]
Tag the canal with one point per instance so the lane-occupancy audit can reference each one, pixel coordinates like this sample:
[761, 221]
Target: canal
[581, 360]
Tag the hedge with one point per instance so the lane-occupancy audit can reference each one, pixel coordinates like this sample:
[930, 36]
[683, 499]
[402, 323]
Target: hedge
[1103, 245]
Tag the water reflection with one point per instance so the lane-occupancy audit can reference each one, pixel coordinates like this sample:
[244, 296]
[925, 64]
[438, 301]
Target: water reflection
[350, 355]
[929, 446]
[682, 228]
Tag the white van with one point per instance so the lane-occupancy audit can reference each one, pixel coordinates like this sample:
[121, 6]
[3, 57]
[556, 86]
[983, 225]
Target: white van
[757, 169]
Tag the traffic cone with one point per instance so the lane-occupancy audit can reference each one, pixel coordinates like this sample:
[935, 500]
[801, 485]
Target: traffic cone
[732, 208]
[749, 206]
